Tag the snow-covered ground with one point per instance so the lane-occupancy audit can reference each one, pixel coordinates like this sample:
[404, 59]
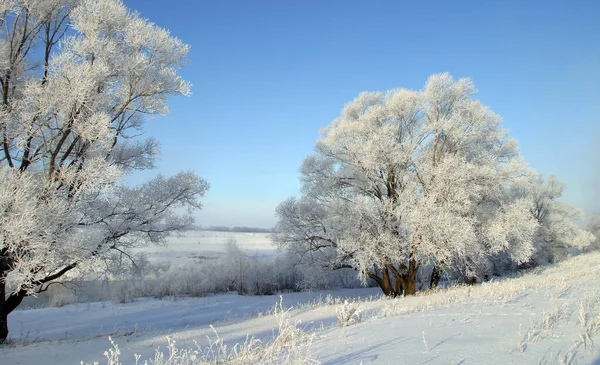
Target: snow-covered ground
[192, 246]
[549, 316]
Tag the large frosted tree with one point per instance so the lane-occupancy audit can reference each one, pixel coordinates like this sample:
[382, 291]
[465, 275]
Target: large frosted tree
[409, 178]
[78, 79]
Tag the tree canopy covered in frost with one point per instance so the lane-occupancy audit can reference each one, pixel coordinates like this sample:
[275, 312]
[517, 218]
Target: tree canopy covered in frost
[78, 79]
[557, 220]
[593, 226]
[406, 179]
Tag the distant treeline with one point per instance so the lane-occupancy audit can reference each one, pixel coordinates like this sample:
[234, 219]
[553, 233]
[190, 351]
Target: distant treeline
[236, 229]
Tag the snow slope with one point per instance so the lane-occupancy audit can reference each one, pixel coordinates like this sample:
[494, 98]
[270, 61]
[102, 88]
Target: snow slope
[549, 316]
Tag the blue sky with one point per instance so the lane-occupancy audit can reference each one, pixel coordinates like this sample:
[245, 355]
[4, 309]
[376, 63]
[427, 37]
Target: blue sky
[268, 75]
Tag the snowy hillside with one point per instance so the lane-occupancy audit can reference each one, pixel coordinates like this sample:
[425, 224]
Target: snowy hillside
[549, 316]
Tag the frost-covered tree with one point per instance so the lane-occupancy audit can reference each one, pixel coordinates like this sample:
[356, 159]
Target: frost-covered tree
[557, 229]
[593, 226]
[78, 78]
[404, 179]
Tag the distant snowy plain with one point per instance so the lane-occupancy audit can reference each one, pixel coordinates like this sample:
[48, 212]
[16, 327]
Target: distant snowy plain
[192, 245]
[548, 316]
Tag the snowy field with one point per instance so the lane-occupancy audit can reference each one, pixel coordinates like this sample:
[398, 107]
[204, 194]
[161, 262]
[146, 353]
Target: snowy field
[193, 246]
[549, 316]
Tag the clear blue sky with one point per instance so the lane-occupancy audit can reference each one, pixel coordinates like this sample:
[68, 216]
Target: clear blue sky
[267, 75]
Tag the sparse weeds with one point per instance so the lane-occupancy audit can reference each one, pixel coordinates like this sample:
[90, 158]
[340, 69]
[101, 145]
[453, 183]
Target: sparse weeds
[589, 322]
[586, 318]
[569, 357]
[562, 290]
[522, 339]
[549, 321]
[543, 328]
[330, 300]
[425, 342]
[290, 345]
[348, 313]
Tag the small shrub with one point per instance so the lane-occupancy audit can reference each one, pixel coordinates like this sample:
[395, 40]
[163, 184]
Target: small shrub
[62, 298]
[348, 313]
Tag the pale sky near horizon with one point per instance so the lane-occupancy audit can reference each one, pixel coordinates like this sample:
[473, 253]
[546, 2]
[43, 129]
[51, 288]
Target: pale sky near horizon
[268, 75]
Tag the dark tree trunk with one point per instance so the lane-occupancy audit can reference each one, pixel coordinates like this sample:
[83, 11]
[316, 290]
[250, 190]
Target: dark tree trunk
[397, 282]
[387, 283]
[7, 305]
[406, 283]
[3, 314]
[4, 268]
[12, 301]
[3, 327]
[436, 275]
[410, 288]
[411, 277]
[384, 282]
[470, 280]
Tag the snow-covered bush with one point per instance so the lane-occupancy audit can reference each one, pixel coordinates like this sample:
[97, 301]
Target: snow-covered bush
[62, 298]
[348, 313]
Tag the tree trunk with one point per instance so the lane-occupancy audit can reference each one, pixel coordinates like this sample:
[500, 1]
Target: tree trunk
[470, 280]
[7, 305]
[399, 280]
[406, 283]
[387, 284]
[436, 275]
[10, 303]
[397, 285]
[3, 314]
[410, 280]
[384, 282]
[4, 267]
[410, 288]
[3, 326]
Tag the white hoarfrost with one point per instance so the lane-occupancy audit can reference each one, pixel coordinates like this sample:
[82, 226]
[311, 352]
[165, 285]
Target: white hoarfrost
[78, 79]
[593, 226]
[557, 220]
[405, 180]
